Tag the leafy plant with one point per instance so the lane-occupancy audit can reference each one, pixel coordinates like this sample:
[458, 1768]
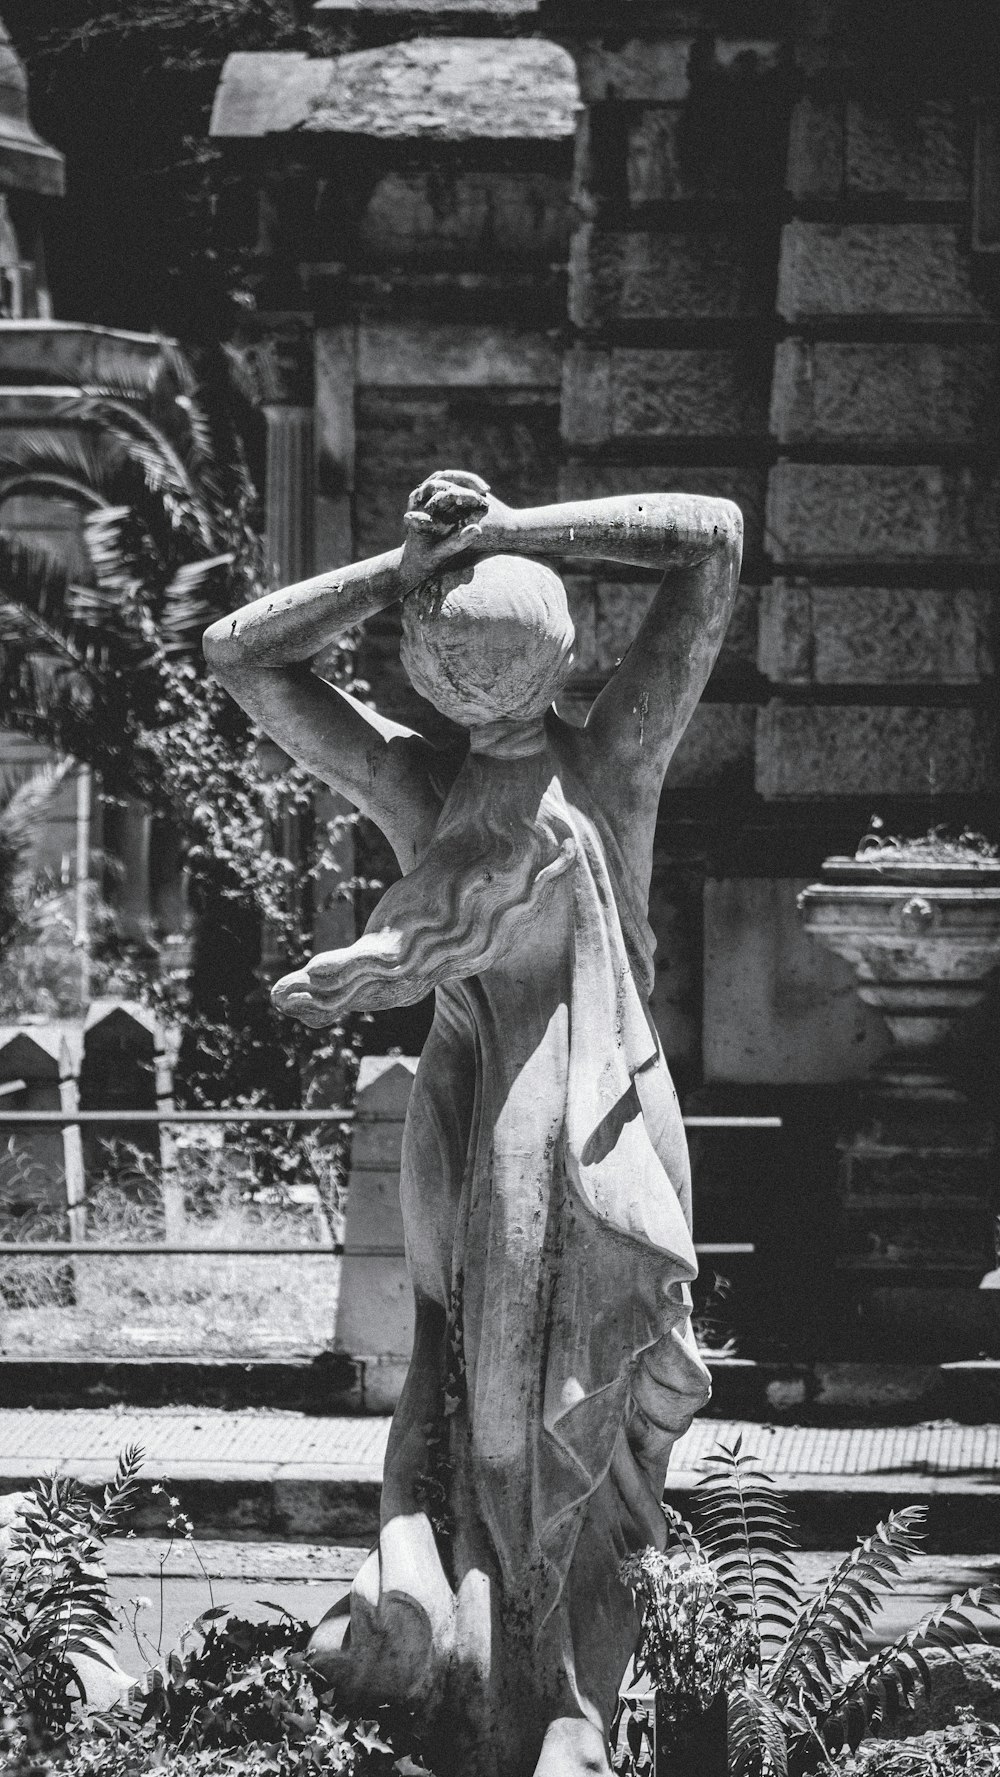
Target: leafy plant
[969, 1748]
[937, 846]
[54, 1602]
[789, 1666]
[110, 671]
[235, 1697]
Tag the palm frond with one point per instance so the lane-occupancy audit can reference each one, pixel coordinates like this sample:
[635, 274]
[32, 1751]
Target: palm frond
[833, 1626]
[23, 798]
[39, 613]
[45, 484]
[746, 1530]
[163, 469]
[85, 458]
[758, 1733]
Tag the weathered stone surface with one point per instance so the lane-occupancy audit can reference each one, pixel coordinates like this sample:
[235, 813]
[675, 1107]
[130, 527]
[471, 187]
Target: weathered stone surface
[635, 394]
[424, 354]
[607, 614]
[403, 435]
[913, 270]
[847, 148]
[26, 162]
[874, 635]
[640, 69]
[709, 274]
[668, 161]
[450, 88]
[864, 395]
[971, 1681]
[475, 217]
[592, 481]
[881, 512]
[890, 750]
[375, 1303]
[660, 68]
[716, 749]
[75, 354]
[777, 1008]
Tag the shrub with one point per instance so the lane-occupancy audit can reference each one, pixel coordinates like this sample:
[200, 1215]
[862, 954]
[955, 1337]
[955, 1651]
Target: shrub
[795, 1669]
[236, 1696]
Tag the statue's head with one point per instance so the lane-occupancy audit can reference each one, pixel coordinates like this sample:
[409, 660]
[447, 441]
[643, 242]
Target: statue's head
[489, 641]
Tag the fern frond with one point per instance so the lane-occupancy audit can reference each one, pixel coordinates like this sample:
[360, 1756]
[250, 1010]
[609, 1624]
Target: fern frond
[747, 1532]
[892, 1677]
[680, 1534]
[834, 1625]
[121, 1493]
[758, 1737]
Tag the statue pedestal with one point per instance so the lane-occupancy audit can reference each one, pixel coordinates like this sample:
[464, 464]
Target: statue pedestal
[375, 1304]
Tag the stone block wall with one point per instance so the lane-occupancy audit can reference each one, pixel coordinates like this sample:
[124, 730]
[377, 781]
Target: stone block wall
[757, 265]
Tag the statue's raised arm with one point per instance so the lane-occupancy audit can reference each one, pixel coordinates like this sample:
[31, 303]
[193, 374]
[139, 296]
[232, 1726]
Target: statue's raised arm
[640, 715]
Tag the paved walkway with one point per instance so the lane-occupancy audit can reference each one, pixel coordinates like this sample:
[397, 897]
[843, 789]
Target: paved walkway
[261, 1445]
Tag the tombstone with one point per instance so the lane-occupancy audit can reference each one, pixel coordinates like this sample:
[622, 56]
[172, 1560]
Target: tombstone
[41, 1168]
[375, 1305]
[128, 1065]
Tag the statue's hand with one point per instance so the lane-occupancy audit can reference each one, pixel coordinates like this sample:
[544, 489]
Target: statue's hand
[446, 516]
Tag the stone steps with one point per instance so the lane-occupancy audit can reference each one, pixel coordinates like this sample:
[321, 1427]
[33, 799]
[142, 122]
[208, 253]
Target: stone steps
[271, 1476]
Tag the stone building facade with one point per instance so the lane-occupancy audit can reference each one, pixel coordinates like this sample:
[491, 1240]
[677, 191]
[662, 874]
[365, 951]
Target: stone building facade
[738, 248]
[45, 363]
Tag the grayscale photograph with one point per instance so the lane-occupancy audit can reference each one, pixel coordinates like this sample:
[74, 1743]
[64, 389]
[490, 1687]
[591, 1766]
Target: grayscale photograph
[499, 888]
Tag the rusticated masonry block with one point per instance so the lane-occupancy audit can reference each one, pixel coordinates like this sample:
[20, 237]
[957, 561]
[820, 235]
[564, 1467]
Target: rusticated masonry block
[884, 394]
[884, 751]
[914, 270]
[638, 70]
[716, 749]
[853, 148]
[728, 140]
[709, 274]
[841, 512]
[874, 635]
[480, 216]
[654, 394]
[607, 615]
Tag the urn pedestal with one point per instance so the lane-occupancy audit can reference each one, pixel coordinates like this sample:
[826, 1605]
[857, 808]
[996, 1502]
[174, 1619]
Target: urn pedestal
[916, 1170]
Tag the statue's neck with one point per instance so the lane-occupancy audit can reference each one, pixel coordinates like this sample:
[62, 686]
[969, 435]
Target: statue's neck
[510, 738]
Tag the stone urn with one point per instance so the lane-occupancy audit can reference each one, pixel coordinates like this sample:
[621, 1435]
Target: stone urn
[920, 924]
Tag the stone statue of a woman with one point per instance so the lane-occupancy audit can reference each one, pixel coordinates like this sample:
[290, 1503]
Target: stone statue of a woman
[545, 1183]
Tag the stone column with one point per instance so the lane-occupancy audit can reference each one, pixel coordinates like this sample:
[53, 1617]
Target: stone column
[289, 490]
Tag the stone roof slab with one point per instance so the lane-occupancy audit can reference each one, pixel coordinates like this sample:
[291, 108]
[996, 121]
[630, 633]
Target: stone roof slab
[449, 89]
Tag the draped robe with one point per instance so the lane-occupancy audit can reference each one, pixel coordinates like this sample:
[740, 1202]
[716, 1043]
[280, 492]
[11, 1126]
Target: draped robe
[546, 1208]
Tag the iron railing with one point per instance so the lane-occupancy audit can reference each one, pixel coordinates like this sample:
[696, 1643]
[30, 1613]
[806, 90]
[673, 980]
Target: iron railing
[256, 1117]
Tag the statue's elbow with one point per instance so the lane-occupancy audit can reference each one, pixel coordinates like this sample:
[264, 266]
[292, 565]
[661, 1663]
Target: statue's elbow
[729, 527]
[220, 646]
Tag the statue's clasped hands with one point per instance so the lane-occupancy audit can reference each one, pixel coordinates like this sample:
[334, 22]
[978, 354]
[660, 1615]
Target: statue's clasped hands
[448, 515]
